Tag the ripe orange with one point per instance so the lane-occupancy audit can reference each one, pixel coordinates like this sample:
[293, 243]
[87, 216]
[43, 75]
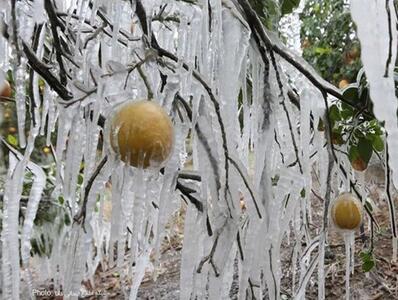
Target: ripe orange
[346, 212]
[142, 134]
[5, 90]
[46, 150]
[359, 164]
[343, 83]
[12, 130]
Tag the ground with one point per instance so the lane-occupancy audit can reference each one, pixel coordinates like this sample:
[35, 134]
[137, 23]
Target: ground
[380, 283]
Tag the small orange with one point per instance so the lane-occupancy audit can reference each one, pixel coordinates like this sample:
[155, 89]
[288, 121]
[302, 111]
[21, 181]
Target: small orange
[5, 90]
[343, 83]
[12, 130]
[359, 164]
[346, 212]
[142, 134]
[46, 150]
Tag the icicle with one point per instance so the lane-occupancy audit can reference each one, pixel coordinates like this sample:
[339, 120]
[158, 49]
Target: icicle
[52, 114]
[10, 267]
[33, 203]
[348, 242]
[31, 210]
[64, 125]
[79, 241]
[20, 101]
[74, 155]
[377, 32]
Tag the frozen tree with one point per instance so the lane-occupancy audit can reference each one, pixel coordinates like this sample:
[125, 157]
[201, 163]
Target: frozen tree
[246, 104]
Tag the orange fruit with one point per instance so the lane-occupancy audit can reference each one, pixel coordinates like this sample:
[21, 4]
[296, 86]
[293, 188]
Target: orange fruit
[142, 134]
[343, 83]
[12, 130]
[5, 90]
[359, 164]
[46, 150]
[346, 212]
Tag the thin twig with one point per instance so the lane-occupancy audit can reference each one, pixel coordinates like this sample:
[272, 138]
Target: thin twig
[261, 36]
[247, 185]
[209, 258]
[388, 192]
[45, 73]
[140, 11]
[50, 9]
[389, 40]
[146, 82]
[81, 215]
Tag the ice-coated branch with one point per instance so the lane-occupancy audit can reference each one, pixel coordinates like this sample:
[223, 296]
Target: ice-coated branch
[328, 135]
[15, 30]
[35, 41]
[107, 33]
[81, 215]
[282, 95]
[141, 14]
[44, 71]
[389, 197]
[50, 9]
[184, 190]
[146, 82]
[233, 162]
[388, 61]
[96, 32]
[263, 38]
[40, 67]
[209, 258]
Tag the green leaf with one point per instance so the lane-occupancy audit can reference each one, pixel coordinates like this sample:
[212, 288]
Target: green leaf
[351, 93]
[288, 6]
[67, 219]
[80, 179]
[368, 261]
[321, 50]
[368, 265]
[12, 140]
[334, 113]
[347, 113]
[353, 153]
[368, 205]
[378, 143]
[365, 149]
[302, 193]
[61, 200]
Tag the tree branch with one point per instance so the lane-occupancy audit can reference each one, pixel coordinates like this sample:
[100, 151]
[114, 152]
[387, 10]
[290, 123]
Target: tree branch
[50, 9]
[44, 72]
[261, 35]
[140, 11]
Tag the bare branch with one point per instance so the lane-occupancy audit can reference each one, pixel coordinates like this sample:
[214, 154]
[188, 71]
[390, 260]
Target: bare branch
[50, 9]
[259, 30]
[45, 73]
[81, 215]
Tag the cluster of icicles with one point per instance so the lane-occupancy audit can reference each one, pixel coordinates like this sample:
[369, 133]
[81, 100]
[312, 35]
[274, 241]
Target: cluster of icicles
[272, 151]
